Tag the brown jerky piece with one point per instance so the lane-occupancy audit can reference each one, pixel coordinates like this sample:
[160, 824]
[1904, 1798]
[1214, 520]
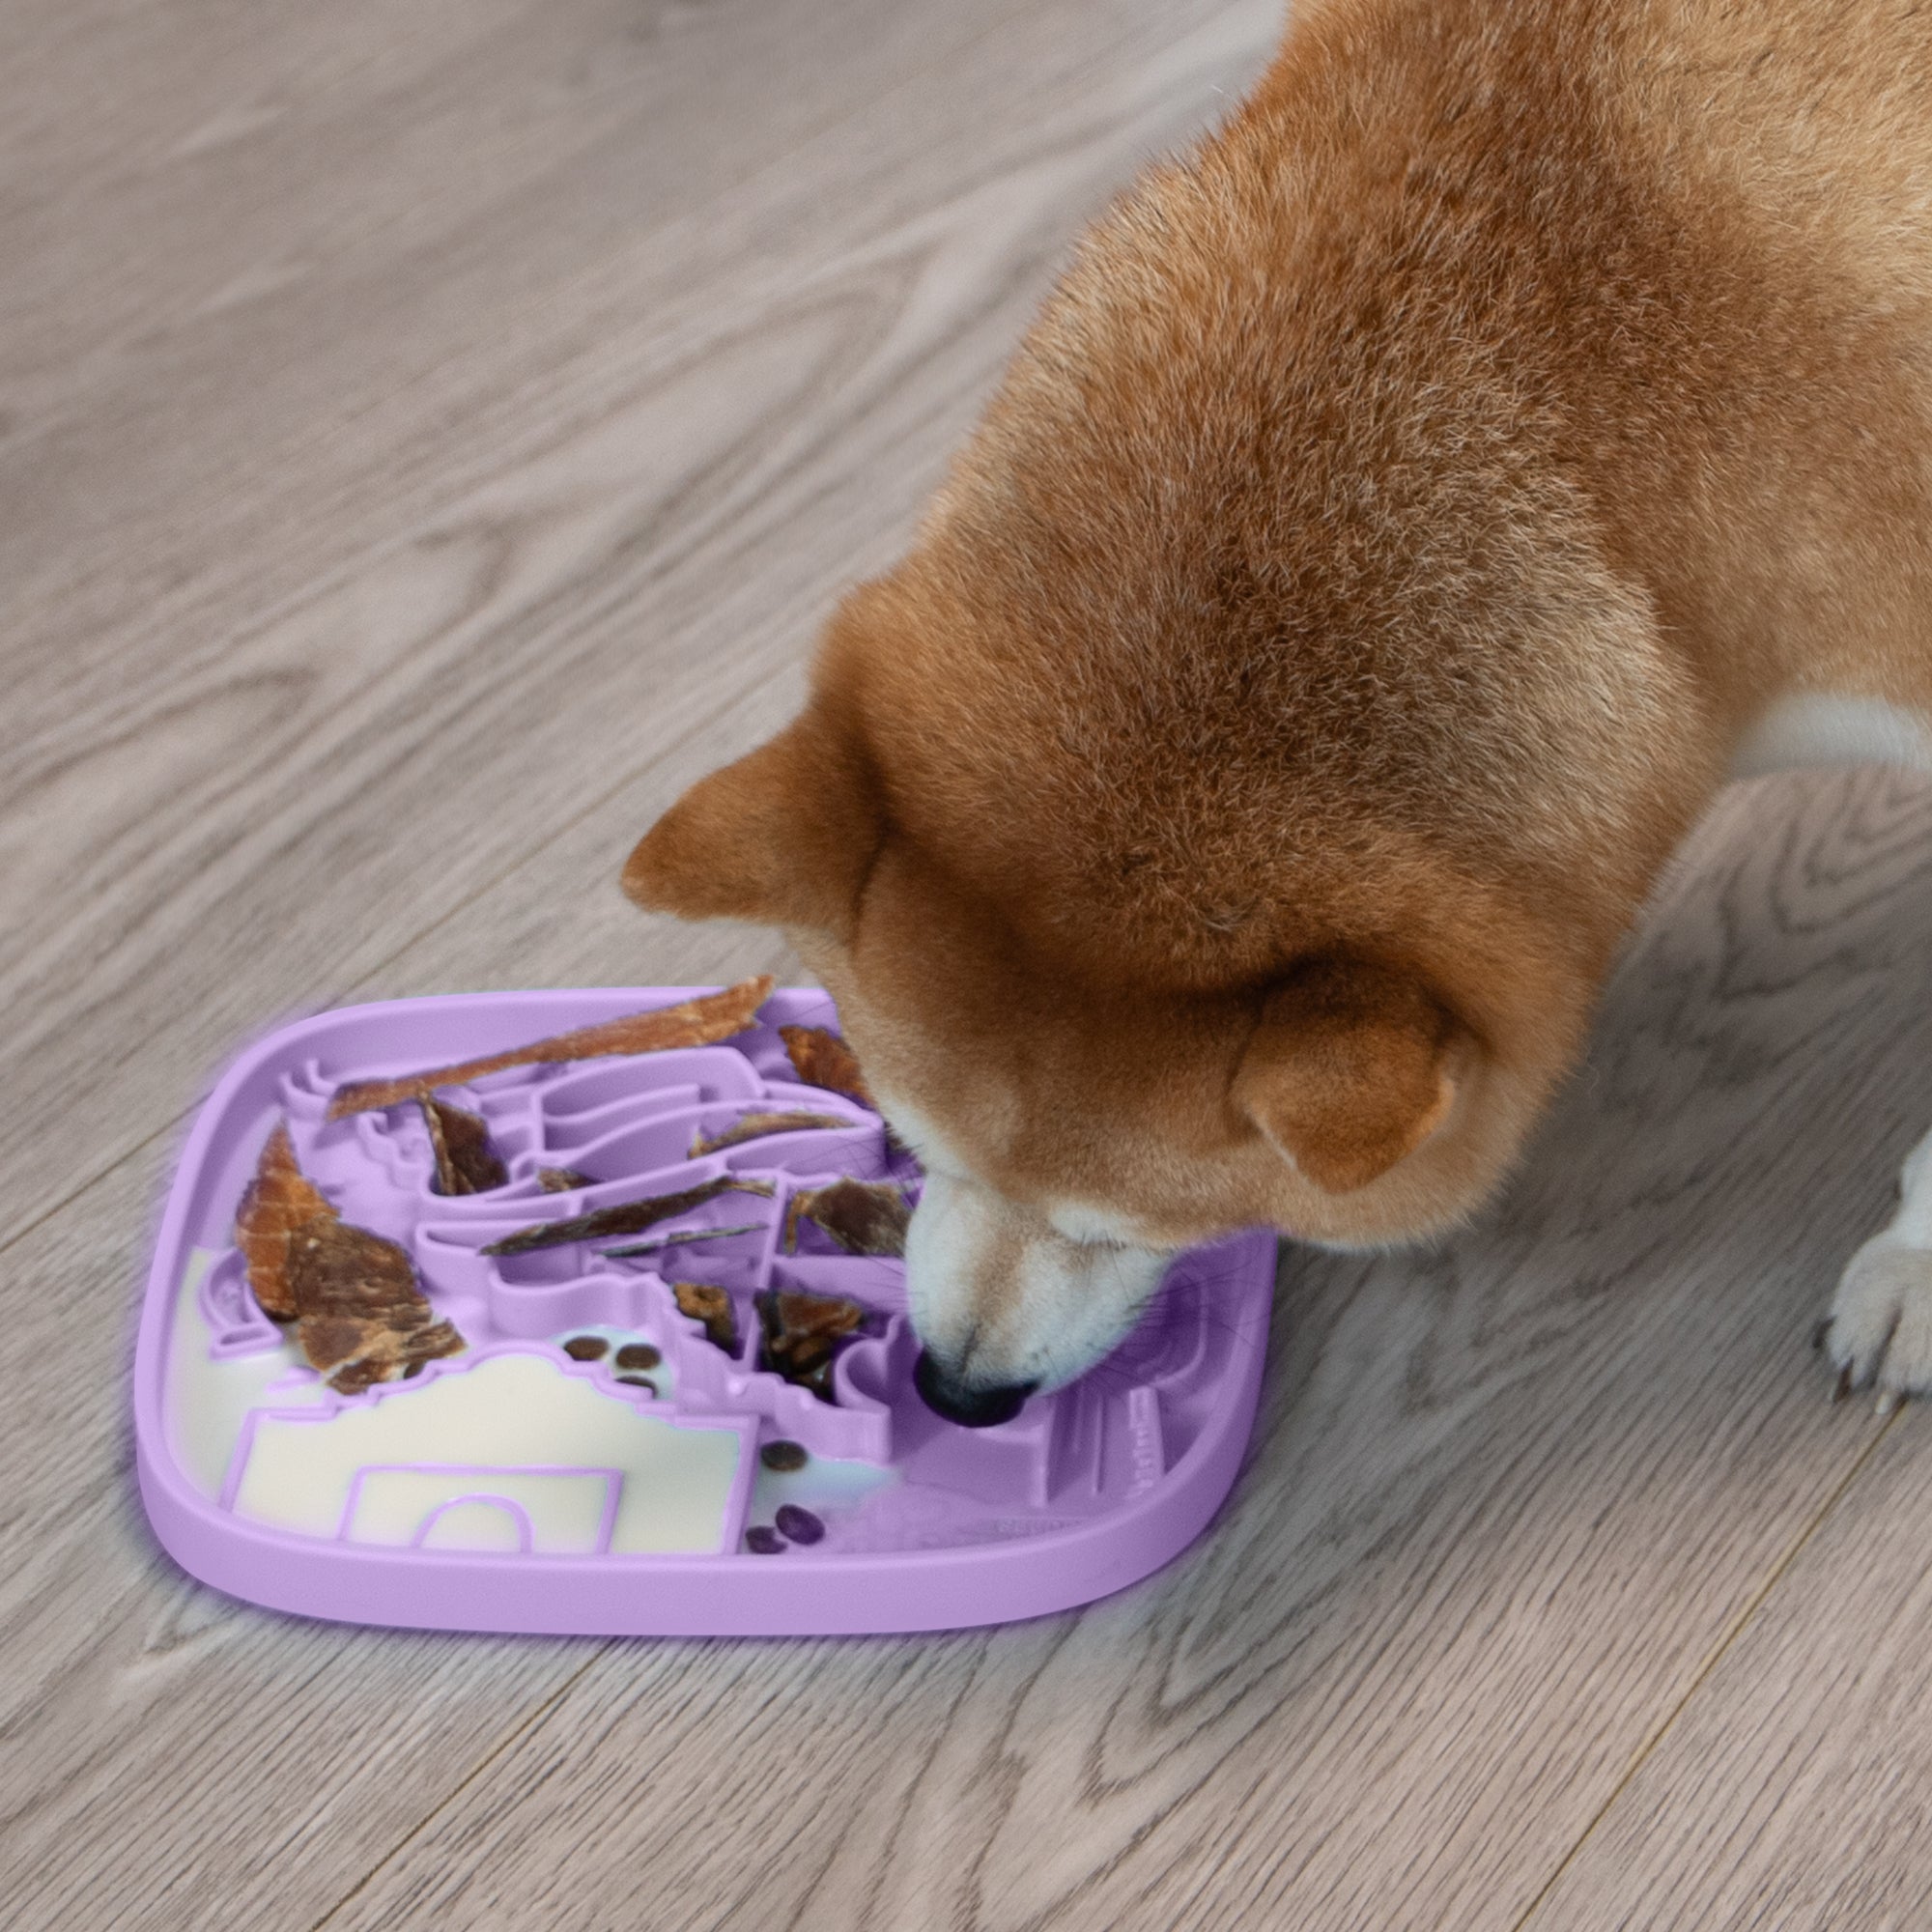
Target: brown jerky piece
[359, 1316]
[699, 1022]
[679, 1237]
[278, 1202]
[755, 1126]
[864, 1217]
[363, 1315]
[625, 1217]
[341, 1271]
[374, 1353]
[821, 1059]
[562, 1179]
[711, 1306]
[802, 1331]
[465, 1163]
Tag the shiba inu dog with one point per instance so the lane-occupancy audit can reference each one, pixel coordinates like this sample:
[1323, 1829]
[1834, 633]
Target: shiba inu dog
[1406, 510]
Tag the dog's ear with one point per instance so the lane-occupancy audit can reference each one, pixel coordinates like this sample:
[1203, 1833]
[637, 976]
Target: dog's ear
[1352, 1067]
[787, 836]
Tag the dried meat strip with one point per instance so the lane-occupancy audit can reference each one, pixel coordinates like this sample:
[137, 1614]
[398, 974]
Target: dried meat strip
[864, 1217]
[712, 1306]
[820, 1058]
[624, 1217]
[681, 1237]
[363, 1318]
[757, 1126]
[361, 1315]
[278, 1202]
[802, 1332]
[465, 1163]
[699, 1022]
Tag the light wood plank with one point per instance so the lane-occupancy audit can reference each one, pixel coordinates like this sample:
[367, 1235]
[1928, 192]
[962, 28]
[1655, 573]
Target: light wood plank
[640, 530]
[1506, 1502]
[252, 294]
[378, 679]
[1793, 1792]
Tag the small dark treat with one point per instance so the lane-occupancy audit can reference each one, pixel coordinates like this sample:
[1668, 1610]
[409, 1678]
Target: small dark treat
[798, 1525]
[784, 1457]
[562, 1179]
[700, 1022]
[801, 1333]
[756, 1126]
[465, 1163]
[625, 1217]
[586, 1347]
[681, 1237]
[711, 1306]
[643, 1382]
[821, 1059]
[864, 1217]
[639, 1356]
[359, 1316]
[763, 1540]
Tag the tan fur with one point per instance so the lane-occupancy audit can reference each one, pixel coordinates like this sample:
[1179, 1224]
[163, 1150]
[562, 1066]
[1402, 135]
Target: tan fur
[1350, 1070]
[1227, 811]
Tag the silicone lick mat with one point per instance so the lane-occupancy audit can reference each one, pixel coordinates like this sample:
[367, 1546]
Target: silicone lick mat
[515, 1486]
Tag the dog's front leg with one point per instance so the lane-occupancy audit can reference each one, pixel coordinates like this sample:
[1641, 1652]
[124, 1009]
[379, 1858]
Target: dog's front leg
[1880, 1328]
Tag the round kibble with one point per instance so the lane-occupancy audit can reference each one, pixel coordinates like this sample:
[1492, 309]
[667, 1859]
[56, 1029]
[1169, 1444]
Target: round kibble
[586, 1347]
[799, 1525]
[643, 1382]
[784, 1457]
[763, 1540]
[637, 1356]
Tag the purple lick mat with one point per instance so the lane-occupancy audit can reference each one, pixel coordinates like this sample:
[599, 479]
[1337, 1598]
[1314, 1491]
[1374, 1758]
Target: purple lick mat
[594, 1460]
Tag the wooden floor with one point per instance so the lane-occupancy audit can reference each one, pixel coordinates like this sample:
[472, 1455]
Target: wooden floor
[429, 437]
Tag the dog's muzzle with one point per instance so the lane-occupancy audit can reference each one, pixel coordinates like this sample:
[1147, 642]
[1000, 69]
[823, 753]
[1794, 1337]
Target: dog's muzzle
[970, 1407]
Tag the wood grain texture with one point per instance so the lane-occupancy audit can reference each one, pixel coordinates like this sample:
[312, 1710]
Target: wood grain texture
[428, 438]
[610, 507]
[1795, 1790]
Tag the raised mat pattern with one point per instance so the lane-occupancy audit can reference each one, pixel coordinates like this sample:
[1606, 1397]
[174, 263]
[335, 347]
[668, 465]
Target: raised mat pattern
[521, 1486]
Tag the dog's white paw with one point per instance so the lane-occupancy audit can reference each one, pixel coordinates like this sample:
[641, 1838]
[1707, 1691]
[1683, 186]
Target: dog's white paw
[1880, 1328]
[1881, 1323]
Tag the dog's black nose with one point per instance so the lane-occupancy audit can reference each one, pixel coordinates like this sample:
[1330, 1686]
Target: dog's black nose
[970, 1407]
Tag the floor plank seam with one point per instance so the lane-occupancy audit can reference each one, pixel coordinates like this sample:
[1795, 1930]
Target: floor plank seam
[515, 1734]
[1715, 1655]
